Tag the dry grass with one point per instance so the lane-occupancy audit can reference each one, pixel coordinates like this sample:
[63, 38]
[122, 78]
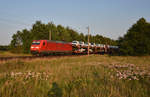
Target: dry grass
[82, 76]
[9, 54]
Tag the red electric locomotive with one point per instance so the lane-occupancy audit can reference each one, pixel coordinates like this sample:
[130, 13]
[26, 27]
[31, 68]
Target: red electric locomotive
[42, 47]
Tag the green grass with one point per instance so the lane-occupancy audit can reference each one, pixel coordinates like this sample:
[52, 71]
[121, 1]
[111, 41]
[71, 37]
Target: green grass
[83, 76]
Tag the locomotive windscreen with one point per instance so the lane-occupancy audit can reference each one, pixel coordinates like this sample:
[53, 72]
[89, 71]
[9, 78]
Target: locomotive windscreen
[36, 43]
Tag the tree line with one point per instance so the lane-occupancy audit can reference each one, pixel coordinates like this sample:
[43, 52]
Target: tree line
[135, 42]
[4, 47]
[21, 41]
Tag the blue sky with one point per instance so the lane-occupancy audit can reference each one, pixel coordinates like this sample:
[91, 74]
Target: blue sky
[110, 18]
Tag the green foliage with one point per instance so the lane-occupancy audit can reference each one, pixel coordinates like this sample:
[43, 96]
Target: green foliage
[4, 48]
[137, 39]
[21, 41]
[102, 40]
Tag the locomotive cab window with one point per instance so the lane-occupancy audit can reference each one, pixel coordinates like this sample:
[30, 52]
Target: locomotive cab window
[36, 43]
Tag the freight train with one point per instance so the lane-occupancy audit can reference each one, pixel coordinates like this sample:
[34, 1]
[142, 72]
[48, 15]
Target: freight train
[47, 47]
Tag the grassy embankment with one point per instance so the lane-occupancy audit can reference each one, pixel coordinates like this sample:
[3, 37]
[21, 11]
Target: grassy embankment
[9, 54]
[93, 76]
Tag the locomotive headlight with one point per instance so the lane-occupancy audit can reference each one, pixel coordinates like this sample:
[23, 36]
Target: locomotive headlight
[32, 47]
[37, 47]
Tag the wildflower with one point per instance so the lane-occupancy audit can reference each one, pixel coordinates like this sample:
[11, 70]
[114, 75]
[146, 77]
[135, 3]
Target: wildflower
[12, 74]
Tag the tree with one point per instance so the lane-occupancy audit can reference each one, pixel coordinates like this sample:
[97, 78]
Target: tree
[72, 34]
[62, 33]
[26, 38]
[81, 37]
[21, 41]
[16, 43]
[40, 31]
[137, 39]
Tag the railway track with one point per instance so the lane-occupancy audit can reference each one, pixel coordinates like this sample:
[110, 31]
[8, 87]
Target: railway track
[34, 57]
